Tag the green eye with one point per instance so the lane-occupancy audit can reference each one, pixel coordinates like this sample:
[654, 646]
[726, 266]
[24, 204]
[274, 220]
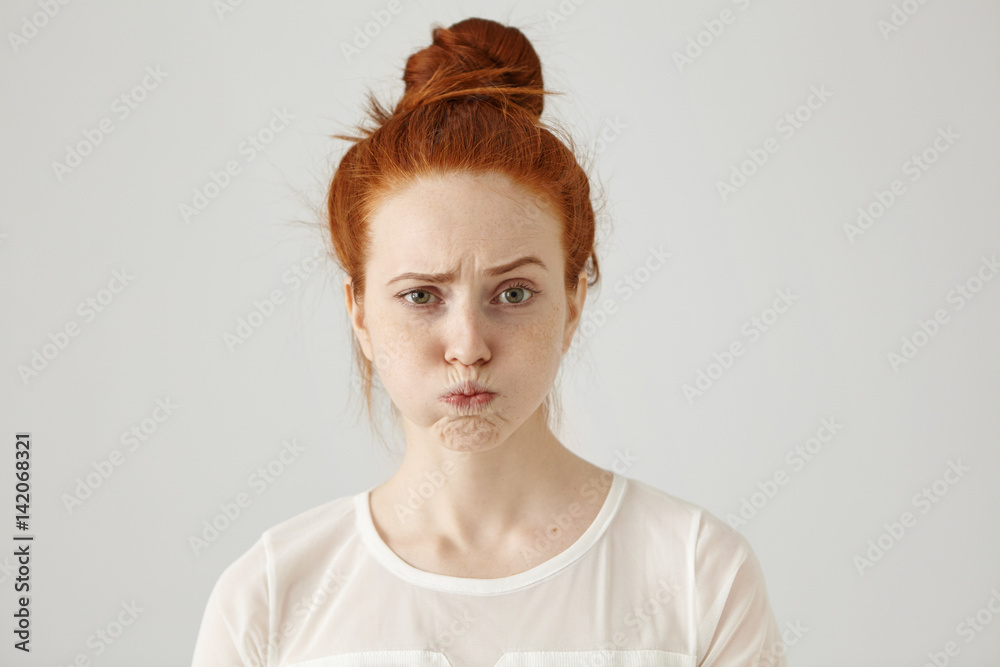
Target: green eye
[424, 293]
[525, 296]
[421, 296]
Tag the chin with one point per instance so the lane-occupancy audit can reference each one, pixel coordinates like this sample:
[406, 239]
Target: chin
[473, 433]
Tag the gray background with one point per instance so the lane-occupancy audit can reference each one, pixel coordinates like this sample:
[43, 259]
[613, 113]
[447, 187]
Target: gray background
[671, 133]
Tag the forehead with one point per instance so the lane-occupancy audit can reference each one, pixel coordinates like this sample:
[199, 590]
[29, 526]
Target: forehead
[439, 215]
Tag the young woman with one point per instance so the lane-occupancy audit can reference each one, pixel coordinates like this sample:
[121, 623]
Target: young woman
[466, 232]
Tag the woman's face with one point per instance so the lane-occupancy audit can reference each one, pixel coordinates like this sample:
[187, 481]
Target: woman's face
[425, 333]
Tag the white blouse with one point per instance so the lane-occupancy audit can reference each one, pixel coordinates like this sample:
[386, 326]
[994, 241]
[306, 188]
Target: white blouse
[654, 581]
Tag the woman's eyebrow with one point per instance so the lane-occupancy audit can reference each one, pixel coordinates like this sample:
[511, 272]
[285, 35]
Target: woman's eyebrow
[445, 278]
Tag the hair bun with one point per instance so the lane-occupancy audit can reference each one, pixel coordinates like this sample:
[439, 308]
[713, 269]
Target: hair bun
[479, 59]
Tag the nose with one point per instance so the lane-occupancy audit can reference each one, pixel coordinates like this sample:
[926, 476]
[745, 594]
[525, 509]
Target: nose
[466, 333]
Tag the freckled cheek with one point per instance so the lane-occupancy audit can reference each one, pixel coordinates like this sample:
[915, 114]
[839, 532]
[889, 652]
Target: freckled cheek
[402, 353]
[540, 341]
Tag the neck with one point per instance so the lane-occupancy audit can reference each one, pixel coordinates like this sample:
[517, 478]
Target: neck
[473, 499]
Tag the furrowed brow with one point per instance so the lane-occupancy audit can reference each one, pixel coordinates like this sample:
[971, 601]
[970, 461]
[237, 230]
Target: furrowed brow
[445, 278]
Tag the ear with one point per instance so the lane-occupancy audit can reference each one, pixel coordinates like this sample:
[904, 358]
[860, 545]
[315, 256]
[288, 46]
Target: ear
[573, 314]
[356, 314]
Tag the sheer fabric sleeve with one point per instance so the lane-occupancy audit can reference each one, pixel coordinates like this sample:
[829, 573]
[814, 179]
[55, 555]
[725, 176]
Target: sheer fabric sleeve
[234, 627]
[736, 626]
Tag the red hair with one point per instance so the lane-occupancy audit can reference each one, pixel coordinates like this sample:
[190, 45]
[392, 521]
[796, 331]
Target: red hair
[473, 103]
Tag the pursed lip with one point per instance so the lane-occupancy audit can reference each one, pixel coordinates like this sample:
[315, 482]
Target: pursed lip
[467, 388]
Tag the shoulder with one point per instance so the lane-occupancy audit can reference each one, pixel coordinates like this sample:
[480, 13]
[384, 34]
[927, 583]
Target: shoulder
[236, 625]
[321, 523]
[707, 540]
[719, 563]
[247, 581]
